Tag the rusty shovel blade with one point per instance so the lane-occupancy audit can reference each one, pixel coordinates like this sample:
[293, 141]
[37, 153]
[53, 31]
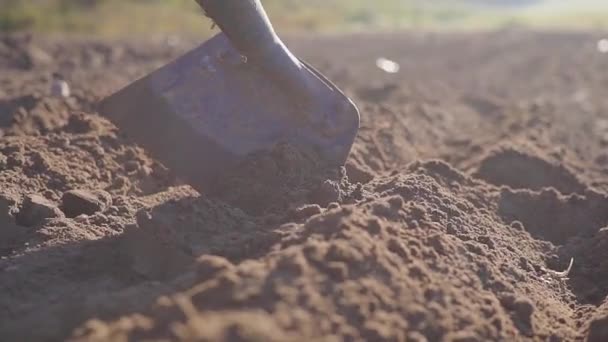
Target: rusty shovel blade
[209, 109]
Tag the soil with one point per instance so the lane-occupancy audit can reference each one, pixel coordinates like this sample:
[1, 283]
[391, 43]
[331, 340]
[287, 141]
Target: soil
[480, 172]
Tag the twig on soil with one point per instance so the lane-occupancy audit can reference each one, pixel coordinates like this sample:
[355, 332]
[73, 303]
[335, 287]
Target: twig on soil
[562, 274]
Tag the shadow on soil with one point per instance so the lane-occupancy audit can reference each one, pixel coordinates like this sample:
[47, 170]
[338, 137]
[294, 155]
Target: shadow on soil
[575, 224]
[79, 281]
[553, 205]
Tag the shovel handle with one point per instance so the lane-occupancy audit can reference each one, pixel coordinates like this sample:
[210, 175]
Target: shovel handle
[248, 28]
[245, 23]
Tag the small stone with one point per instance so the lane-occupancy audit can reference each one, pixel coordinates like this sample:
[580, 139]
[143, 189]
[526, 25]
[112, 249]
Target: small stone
[60, 88]
[35, 210]
[78, 202]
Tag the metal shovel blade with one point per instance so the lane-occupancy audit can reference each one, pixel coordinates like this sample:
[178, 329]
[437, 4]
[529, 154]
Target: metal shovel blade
[206, 111]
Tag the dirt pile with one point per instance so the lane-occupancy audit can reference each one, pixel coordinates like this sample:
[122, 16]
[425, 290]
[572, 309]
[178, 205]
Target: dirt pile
[415, 263]
[285, 179]
[469, 190]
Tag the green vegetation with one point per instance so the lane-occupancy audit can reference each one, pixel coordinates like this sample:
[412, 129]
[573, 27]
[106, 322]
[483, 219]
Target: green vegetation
[119, 17]
[105, 17]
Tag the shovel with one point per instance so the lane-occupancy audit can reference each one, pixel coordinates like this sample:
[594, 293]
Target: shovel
[242, 92]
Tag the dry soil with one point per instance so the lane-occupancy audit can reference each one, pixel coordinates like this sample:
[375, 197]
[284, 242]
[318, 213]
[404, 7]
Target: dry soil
[480, 172]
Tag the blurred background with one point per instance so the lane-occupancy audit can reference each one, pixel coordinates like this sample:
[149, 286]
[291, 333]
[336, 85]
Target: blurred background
[122, 17]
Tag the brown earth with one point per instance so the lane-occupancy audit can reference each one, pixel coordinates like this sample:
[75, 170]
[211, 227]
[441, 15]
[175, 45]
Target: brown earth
[479, 172]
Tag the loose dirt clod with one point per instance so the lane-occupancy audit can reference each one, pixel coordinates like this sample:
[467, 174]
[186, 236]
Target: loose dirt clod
[78, 202]
[36, 209]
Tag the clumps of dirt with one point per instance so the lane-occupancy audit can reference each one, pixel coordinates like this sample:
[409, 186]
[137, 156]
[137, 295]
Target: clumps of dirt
[83, 202]
[552, 216]
[36, 209]
[381, 269]
[84, 152]
[284, 179]
[33, 114]
[519, 169]
[167, 238]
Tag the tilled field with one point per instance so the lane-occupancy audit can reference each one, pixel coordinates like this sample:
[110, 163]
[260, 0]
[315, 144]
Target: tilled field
[480, 172]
